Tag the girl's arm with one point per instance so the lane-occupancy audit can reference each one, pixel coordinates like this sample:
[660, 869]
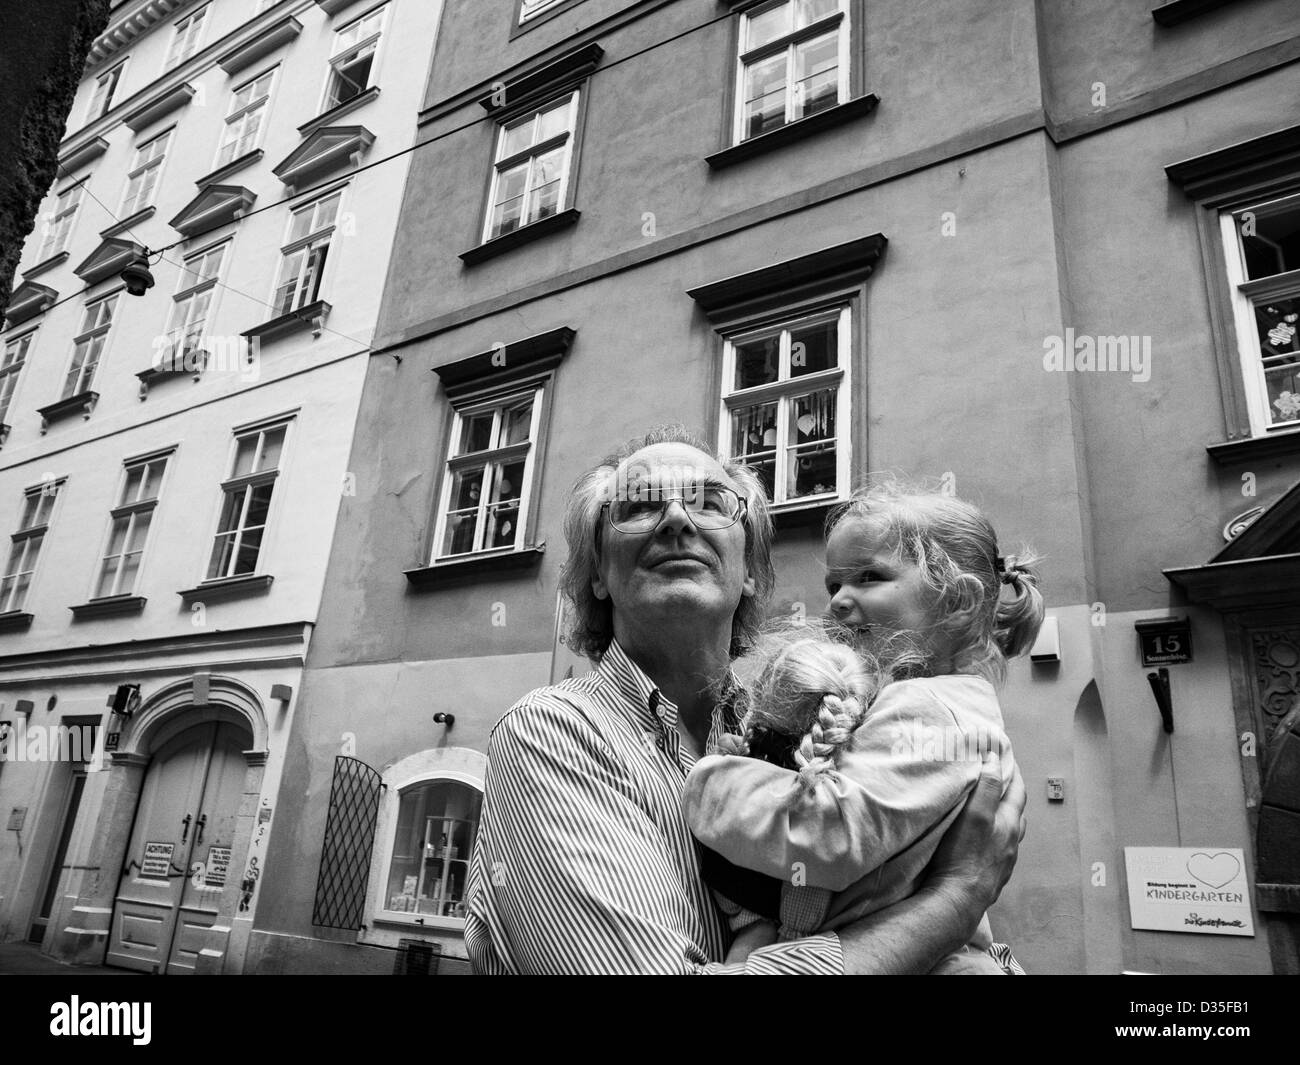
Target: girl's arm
[907, 767]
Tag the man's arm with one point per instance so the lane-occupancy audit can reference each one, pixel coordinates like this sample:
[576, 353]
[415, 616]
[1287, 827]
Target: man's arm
[571, 874]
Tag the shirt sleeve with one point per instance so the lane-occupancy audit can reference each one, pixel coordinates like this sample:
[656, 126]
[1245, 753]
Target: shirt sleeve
[907, 766]
[571, 874]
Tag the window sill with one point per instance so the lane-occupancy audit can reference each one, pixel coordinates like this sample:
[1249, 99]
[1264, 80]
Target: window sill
[232, 167]
[1177, 11]
[15, 621]
[805, 517]
[474, 567]
[1255, 447]
[142, 215]
[794, 132]
[339, 110]
[523, 235]
[162, 372]
[309, 316]
[108, 606]
[46, 265]
[228, 588]
[82, 403]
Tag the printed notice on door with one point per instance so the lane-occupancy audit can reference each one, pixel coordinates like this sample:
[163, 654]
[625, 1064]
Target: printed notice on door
[1189, 889]
[218, 864]
[157, 862]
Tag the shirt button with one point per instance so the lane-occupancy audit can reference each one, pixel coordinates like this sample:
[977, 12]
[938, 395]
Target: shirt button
[661, 744]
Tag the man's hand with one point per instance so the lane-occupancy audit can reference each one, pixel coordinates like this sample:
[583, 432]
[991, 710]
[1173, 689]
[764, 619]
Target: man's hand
[976, 856]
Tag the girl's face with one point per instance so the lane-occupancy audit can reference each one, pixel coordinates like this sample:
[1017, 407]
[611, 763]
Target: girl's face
[872, 586]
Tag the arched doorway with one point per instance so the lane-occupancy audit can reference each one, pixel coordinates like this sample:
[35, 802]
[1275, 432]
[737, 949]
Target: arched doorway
[179, 858]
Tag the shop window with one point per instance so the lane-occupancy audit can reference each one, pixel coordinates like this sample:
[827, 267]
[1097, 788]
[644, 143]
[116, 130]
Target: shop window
[437, 823]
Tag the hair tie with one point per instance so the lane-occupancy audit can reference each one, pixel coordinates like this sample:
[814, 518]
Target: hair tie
[1006, 568]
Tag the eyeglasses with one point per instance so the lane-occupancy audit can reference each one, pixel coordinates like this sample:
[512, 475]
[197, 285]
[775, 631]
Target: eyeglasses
[708, 506]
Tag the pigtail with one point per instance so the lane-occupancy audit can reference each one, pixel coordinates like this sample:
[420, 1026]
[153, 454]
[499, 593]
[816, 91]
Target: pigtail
[831, 731]
[1020, 610]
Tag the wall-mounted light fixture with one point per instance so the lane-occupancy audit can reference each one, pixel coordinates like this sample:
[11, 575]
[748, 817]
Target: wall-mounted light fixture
[444, 719]
[125, 700]
[1164, 699]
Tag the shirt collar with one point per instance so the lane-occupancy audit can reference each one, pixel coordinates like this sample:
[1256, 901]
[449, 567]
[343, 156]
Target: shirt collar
[651, 707]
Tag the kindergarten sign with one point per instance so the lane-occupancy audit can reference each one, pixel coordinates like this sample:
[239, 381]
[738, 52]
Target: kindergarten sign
[1189, 889]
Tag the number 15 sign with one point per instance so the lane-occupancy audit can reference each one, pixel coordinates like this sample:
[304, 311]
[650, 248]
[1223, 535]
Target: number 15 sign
[1165, 641]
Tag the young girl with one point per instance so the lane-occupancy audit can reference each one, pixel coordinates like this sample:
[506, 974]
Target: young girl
[861, 757]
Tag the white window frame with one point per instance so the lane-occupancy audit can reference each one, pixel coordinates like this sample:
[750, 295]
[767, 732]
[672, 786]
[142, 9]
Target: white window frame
[456, 765]
[106, 86]
[237, 118]
[491, 458]
[308, 283]
[1245, 293]
[502, 164]
[747, 57]
[61, 220]
[186, 327]
[146, 169]
[530, 9]
[22, 559]
[186, 34]
[244, 483]
[785, 389]
[95, 326]
[340, 51]
[12, 360]
[132, 511]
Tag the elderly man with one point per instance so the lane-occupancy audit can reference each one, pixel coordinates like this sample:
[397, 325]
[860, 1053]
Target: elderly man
[583, 862]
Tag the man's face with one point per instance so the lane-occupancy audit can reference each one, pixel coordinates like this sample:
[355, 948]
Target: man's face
[675, 566]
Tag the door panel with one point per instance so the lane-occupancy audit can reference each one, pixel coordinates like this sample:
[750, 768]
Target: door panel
[160, 915]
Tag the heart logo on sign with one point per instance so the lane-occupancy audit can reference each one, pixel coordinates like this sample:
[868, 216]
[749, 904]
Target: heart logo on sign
[1214, 870]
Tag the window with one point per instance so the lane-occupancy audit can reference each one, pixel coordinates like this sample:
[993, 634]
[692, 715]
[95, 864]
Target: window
[531, 8]
[25, 546]
[88, 347]
[246, 501]
[193, 301]
[244, 122]
[353, 57]
[1263, 252]
[185, 38]
[130, 526]
[11, 365]
[785, 405]
[530, 176]
[794, 62]
[142, 179]
[311, 228]
[489, 475]
[437, 823]
[58, 224]
[105, 88]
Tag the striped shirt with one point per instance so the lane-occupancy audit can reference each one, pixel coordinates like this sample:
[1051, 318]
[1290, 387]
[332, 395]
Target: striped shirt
[583, 862]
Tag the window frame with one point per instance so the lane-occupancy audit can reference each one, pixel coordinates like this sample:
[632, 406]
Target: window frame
[186, 294]
[175, 57]
[139, 168]
[11, 369]
[310, 240]
[48, 249]
[786, 388]
[262, 106]
[500, 164]
[243, 482]
[327, 100]
[88, 334]
[843, 22]
[497, 400]
[94, 112]
[131, 510]
[27, 531]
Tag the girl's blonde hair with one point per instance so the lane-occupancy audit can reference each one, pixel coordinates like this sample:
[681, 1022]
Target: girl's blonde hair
[810, 688]
[956, 550]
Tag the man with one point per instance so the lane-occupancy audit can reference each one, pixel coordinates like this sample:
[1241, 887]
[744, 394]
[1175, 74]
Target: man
[583, 862]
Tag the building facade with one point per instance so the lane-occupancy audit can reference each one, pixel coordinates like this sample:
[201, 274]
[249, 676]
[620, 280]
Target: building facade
[183, 360]
[1043, 253]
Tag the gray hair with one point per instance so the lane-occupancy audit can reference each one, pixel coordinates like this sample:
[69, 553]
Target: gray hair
[592, 629]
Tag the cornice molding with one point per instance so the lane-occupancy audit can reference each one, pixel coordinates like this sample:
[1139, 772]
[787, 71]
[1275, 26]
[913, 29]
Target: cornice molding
[137, 20]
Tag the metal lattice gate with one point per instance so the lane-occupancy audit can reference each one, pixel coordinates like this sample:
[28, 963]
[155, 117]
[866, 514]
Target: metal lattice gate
[349, 842]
